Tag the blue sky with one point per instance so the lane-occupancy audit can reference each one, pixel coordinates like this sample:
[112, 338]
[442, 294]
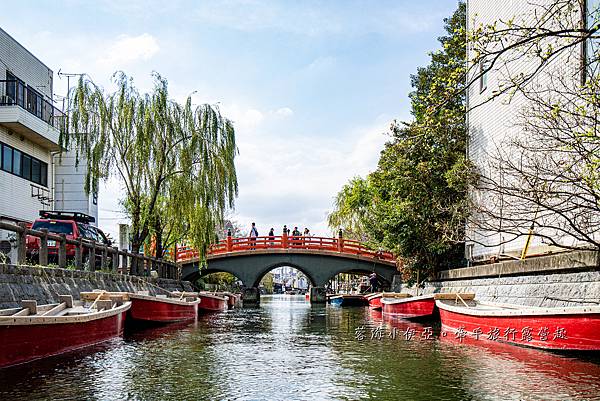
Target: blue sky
[311, 86]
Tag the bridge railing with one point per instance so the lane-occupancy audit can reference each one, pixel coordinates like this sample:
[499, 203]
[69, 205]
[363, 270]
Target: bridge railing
[231, 244]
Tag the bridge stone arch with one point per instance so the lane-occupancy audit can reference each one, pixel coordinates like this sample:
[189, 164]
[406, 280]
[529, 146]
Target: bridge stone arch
[267, 269]
[318, 266]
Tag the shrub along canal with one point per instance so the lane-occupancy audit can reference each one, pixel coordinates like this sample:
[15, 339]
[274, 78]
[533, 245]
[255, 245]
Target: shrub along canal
[288, 349]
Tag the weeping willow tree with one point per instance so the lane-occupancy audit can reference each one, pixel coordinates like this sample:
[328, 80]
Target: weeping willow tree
[352, 207]
[176, 162]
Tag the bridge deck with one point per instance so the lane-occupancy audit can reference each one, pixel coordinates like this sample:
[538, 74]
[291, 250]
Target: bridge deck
[288, 244]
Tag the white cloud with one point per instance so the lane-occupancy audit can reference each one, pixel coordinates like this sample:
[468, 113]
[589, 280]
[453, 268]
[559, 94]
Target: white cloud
[129, 49]
[284, 112]
[293, 179]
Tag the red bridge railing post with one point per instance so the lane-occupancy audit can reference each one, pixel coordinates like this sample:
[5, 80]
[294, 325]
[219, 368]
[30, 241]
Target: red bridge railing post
[284, 240]
[340, 241]
[229, 242]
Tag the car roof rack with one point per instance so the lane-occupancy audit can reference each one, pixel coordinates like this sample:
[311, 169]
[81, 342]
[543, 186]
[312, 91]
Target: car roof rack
[64, 215]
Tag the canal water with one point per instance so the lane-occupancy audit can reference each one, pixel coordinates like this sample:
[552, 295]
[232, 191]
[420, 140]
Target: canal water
[287, 349]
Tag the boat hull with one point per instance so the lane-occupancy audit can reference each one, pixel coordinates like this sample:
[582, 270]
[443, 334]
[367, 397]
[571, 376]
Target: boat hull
[212, 303]
[409, 308]
[375, 301]
[27, 342]
[232, 299]
[159, 311]
[548, 331]
[348, 300]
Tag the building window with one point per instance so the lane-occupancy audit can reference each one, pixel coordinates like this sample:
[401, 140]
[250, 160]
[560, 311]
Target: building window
[24, 166]
[35, 171]
[7, 159]
[483, 76]
[16, 162]
[43, 174]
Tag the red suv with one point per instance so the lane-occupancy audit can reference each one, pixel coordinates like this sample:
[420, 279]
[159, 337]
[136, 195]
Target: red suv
[74, 225]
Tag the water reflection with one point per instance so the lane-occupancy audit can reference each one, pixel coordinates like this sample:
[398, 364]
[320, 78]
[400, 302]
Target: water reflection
[288, 349]
[513, 372]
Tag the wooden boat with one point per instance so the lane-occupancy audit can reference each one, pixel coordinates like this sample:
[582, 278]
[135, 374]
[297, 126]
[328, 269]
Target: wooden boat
[562, 328]
[406, 306]
[232, 299]
[348, 300]
[155, 309]
[374, 300]
[160, 309]
[409, 307]
[38, 331]
[210, 302]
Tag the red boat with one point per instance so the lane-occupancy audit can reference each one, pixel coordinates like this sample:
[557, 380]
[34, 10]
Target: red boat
[212, 302]
[408, 307]
[232, 299]
[374, 300]
[146, 308]
[568, 328]
[38, 331]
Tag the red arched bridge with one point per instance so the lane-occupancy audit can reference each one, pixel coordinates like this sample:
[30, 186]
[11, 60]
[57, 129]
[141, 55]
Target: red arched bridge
[319, 258]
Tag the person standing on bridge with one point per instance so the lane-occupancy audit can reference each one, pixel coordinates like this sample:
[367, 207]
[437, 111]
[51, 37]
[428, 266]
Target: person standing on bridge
[272, 236]
[253, 235]
[305, 234]
[296, 237]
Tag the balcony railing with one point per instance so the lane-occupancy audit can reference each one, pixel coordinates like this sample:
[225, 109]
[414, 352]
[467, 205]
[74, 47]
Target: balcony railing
[17, 93]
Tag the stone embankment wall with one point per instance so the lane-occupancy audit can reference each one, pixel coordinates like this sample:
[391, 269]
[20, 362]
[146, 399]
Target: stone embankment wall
[566, 279]
[45, 284]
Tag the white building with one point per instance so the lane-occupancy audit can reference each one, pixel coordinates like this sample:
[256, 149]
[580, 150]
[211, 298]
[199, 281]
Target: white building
[31, 176]
[493, 122]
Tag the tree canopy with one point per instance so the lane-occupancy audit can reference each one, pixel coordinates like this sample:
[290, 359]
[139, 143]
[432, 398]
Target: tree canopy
[175, 161]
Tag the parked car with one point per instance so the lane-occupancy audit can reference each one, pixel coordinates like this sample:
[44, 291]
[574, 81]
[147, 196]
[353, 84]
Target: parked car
[74, 225]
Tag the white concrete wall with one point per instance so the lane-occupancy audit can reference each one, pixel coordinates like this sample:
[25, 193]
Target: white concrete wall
[69, 182]
[493, 123]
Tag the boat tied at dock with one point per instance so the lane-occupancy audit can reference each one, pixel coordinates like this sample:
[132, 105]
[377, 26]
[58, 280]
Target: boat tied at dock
[35, 331]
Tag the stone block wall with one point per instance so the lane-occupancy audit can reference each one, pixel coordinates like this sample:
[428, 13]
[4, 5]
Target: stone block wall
[564, 279]
[45, 284]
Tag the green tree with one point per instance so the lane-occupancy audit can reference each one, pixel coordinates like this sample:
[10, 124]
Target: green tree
[176, 162]
[222, 280]
[268, 282]
[351, 209]
[415, 202]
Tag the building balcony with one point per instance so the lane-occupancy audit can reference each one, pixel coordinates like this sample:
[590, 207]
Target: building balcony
[24, 111]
